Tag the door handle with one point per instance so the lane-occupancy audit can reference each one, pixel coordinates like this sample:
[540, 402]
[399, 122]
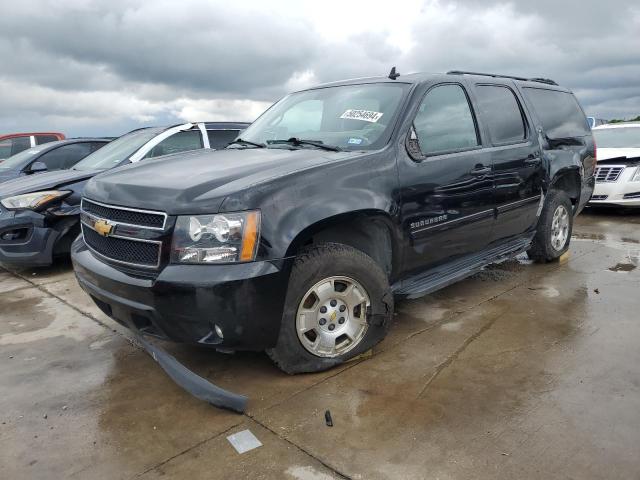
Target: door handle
[480, 170]
[532, 160]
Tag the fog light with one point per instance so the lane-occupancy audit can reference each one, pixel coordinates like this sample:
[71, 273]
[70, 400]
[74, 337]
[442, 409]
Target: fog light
[218, 331]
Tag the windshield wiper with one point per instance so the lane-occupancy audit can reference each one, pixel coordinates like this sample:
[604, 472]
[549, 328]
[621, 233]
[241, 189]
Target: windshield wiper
[299, 141]
[240, 141]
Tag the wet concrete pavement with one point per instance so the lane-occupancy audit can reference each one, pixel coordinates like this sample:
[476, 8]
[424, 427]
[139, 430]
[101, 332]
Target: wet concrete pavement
[522, 371]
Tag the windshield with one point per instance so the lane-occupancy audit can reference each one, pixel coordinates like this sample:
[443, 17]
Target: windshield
[18, 160]
[117, 151]
[621, 137]
[350, 117]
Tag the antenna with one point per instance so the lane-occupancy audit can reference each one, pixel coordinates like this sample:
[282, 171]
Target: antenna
[392, 74]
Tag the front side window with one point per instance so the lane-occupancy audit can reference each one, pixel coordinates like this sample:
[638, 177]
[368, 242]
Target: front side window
[65, 156]
[178, 142]
[356, 117]
[221, 138]
[619, 137]
[444, 122]
[559, 112]
[501, 113]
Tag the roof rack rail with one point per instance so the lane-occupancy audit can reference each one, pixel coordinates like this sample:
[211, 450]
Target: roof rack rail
[495, 75]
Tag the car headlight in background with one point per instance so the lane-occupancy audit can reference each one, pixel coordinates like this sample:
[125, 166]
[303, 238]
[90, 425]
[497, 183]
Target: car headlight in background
[33, 201]
[636, 175]
[222, 238]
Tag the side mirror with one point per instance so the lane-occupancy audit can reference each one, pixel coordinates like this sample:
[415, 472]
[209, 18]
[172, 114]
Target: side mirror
[413, 145]
[37, 167]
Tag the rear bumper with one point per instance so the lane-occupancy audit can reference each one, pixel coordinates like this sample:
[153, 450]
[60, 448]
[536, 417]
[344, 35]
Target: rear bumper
[35, 246]
[185, 303]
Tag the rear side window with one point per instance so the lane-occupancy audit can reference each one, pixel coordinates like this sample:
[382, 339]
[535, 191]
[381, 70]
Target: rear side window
[221, 138]
[444, 121]
[559, 112]
[40, 139]
[178, 142]
[12, 146]
[65, 156]
[501, 113]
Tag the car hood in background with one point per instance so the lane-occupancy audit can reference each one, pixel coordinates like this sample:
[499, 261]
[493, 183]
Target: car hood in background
[200, 180]
[43, 181]
[607, 153]
[8, 175]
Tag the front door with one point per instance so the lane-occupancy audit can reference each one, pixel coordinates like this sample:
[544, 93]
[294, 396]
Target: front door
[447, 190]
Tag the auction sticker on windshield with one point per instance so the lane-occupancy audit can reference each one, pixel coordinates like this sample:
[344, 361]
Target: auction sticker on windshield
[365, 115]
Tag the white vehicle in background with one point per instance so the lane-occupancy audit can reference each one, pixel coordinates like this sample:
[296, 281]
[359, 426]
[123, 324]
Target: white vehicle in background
[618, 171]
[596, 122]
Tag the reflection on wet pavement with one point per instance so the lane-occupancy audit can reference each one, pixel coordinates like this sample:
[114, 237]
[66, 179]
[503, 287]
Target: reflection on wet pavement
[521, 371]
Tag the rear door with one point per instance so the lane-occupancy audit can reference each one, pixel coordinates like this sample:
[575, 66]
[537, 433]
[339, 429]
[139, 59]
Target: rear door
[516, 157]
[447, 194]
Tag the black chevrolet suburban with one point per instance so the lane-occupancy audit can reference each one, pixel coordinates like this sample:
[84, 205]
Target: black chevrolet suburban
[297, 238]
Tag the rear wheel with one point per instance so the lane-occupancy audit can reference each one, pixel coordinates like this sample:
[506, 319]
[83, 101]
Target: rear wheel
[338, 305]
[555, 225]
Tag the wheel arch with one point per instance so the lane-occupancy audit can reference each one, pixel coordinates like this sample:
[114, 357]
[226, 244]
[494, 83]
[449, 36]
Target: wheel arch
[370, 231]
[569, 181]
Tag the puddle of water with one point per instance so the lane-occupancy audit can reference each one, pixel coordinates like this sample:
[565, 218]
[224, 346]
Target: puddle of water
[622, 267]
[307, 473]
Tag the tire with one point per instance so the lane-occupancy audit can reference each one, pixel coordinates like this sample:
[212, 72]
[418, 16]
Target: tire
[322, 275]
[546, 245]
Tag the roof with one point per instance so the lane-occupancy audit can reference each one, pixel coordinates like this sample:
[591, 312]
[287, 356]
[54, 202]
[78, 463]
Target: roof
[415, 78]
[617, 125]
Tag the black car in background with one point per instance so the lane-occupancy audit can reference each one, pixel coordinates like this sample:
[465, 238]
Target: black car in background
[39, 214]
[60, 155]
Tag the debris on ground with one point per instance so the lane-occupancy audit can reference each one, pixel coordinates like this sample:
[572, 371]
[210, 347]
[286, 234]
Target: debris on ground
[596, 291]
[327, 418]
[45, 416]
[244, 441]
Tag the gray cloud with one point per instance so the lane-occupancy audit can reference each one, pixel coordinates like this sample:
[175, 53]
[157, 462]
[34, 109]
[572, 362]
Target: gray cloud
[100, 66]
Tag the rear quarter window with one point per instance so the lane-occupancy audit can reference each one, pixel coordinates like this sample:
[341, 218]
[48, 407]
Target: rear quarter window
[559, 112]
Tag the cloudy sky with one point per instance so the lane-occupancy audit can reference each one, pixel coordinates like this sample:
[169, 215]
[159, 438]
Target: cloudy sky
[102, 67]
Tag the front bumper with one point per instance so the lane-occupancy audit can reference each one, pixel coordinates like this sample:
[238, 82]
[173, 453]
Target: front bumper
[36, 241]
[185, 303]
[622, 192]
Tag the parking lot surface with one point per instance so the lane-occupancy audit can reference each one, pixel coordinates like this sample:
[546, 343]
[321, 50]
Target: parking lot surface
[521, 371]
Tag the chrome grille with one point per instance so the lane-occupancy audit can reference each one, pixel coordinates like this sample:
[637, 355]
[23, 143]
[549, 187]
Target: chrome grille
[608, 174]
[127, 216]
[121, 243]
[123, 250]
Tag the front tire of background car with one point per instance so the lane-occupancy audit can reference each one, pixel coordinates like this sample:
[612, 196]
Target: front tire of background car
[335, 292]
[555, 225]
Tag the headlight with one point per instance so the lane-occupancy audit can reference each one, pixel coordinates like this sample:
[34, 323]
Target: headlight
[636, 175]
[33, 201]
[222, 238]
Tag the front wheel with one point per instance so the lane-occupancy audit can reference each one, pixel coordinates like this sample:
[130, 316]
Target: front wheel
[339, 304]
[554, 229]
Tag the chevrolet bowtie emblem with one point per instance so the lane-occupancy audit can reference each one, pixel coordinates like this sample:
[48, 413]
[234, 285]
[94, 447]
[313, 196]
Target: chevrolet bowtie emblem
[103, 227]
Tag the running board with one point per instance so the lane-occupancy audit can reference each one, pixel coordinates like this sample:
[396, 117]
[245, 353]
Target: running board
[444, 275]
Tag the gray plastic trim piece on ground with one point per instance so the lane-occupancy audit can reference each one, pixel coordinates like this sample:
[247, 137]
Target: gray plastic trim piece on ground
[193, 383]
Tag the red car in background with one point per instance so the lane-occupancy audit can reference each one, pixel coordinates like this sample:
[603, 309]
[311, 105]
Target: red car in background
[17, 142]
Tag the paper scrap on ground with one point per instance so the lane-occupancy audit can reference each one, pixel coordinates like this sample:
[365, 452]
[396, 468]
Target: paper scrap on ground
[244, 441]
